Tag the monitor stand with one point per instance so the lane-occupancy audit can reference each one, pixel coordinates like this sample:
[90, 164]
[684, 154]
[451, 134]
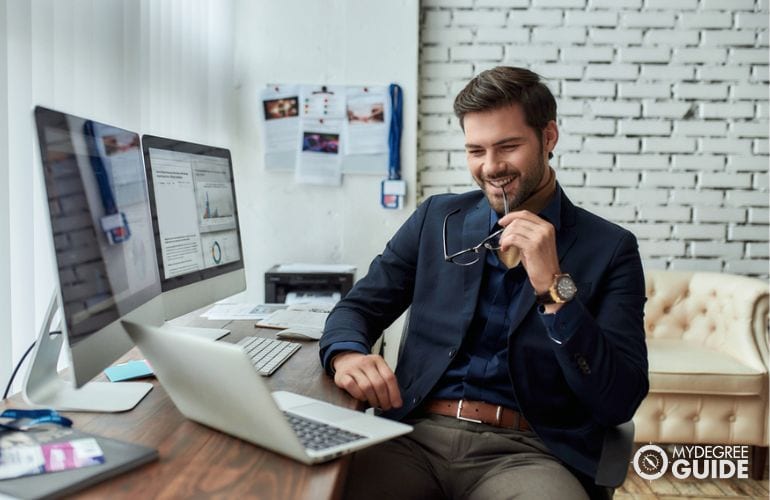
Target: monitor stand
[44, 387]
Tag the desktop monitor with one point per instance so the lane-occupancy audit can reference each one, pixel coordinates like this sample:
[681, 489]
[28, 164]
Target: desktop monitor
[101, 228]
[195, 223]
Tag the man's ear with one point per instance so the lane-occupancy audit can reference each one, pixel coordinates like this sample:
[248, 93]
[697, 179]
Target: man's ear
[550, 137]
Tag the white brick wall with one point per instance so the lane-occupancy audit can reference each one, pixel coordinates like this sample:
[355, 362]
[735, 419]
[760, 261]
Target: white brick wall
[663, 113]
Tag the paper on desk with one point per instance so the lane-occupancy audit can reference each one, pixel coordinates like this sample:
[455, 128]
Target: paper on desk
[241, 311]
[298, 315]
[329, 298]
[315, 268]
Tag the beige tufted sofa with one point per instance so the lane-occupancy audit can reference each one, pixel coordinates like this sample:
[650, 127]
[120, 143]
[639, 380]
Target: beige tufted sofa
[708, 355]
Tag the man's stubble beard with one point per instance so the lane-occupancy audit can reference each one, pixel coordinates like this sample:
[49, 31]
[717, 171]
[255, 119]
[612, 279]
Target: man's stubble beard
[527, 186]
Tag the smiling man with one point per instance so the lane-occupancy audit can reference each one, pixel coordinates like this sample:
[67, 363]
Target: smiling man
[525, 340]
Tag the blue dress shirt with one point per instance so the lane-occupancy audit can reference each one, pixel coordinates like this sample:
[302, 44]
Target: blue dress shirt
[480, 372]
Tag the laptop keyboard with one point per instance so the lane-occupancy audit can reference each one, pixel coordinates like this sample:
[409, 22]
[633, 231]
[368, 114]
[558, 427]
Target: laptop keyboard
[317, 436]
[268, 354]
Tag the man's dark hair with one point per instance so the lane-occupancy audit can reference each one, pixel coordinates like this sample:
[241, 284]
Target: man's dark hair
[506, 85]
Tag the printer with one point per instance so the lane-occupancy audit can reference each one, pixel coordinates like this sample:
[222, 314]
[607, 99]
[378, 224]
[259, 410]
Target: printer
[300, 281]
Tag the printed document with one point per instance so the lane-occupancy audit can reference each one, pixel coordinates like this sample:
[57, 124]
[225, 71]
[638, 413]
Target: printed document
[319, 156]
[368, 119]
[280, 112]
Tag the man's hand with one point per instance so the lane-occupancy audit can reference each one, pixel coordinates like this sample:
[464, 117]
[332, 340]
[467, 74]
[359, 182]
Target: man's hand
[536, 240]
[367, 377]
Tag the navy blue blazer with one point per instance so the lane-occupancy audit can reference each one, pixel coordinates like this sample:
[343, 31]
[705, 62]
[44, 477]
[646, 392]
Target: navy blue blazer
[570, 392]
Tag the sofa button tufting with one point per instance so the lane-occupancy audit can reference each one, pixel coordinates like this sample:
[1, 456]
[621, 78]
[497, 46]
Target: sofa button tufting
[731, 418]
[662, 416]
[695, 418]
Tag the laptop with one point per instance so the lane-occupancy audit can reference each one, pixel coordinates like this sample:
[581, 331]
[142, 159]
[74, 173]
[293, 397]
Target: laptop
[215, 384]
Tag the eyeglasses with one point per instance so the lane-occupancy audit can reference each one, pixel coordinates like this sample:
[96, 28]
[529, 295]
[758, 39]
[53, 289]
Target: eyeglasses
[470, 256]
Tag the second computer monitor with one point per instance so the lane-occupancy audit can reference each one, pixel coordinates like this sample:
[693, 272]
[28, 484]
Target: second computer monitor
[195, 220]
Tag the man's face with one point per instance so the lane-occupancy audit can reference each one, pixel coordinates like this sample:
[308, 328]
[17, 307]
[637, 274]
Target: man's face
[505, 153]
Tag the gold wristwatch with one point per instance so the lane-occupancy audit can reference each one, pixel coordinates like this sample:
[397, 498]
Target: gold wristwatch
[562, 290]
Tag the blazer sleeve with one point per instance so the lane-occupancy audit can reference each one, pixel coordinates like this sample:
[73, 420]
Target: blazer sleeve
[603, 355]
[383, 294]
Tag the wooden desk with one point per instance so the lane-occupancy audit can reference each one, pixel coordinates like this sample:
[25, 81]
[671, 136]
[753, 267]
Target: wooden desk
[196, 461]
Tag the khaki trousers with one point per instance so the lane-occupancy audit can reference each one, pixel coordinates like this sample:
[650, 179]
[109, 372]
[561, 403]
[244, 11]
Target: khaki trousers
[446, 458]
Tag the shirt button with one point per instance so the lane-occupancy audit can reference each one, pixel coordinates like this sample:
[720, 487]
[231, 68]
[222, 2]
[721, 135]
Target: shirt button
[414, 400]
[452, 352]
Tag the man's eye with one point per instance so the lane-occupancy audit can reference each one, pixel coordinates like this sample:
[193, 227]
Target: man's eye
[510, 147]
[476, 152]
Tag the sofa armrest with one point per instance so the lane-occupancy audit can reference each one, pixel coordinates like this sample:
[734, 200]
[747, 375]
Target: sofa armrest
[762, 328]
[720, 311]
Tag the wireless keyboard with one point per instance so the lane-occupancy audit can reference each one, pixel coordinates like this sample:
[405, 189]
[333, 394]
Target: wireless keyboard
[268, 354]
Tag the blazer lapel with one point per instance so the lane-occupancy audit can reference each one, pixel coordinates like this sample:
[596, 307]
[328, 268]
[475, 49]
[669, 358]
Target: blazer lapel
[566, 235]
[475, 229]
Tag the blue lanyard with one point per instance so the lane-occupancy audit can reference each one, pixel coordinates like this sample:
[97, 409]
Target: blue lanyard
[394, 138]
[30, 418]
[100, 171]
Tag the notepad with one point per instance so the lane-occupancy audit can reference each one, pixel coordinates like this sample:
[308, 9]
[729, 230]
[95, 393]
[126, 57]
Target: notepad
[128, 371]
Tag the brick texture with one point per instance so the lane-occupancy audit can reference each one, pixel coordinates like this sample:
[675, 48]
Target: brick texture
[85, 283]
[663, 114]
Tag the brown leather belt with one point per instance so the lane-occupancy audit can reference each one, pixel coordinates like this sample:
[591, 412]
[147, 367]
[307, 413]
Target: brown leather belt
[479, 412]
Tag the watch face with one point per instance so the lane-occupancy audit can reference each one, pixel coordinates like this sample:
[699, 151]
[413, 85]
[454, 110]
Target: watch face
[566, 288]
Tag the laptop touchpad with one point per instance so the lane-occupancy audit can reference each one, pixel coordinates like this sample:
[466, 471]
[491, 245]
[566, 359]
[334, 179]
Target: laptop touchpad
[326, 412]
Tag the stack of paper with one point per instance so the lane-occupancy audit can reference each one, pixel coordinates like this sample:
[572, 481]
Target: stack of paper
[299, 315]
[241, 311]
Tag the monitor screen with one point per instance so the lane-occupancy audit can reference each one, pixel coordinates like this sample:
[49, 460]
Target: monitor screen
[194, 211]
[100, 219]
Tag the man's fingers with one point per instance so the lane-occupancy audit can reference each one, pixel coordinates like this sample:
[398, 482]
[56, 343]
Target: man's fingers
[391, 384]
[525, 234]
[524, 226]
[378, 386]
[520, 241]
[365, 385]
[348, 383]
[520, 215]
[368, 378]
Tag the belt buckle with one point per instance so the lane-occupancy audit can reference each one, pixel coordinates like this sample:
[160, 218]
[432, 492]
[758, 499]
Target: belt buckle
[460, 417]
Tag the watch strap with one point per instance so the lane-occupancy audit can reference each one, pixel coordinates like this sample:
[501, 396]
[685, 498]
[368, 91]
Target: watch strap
[545, 298]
